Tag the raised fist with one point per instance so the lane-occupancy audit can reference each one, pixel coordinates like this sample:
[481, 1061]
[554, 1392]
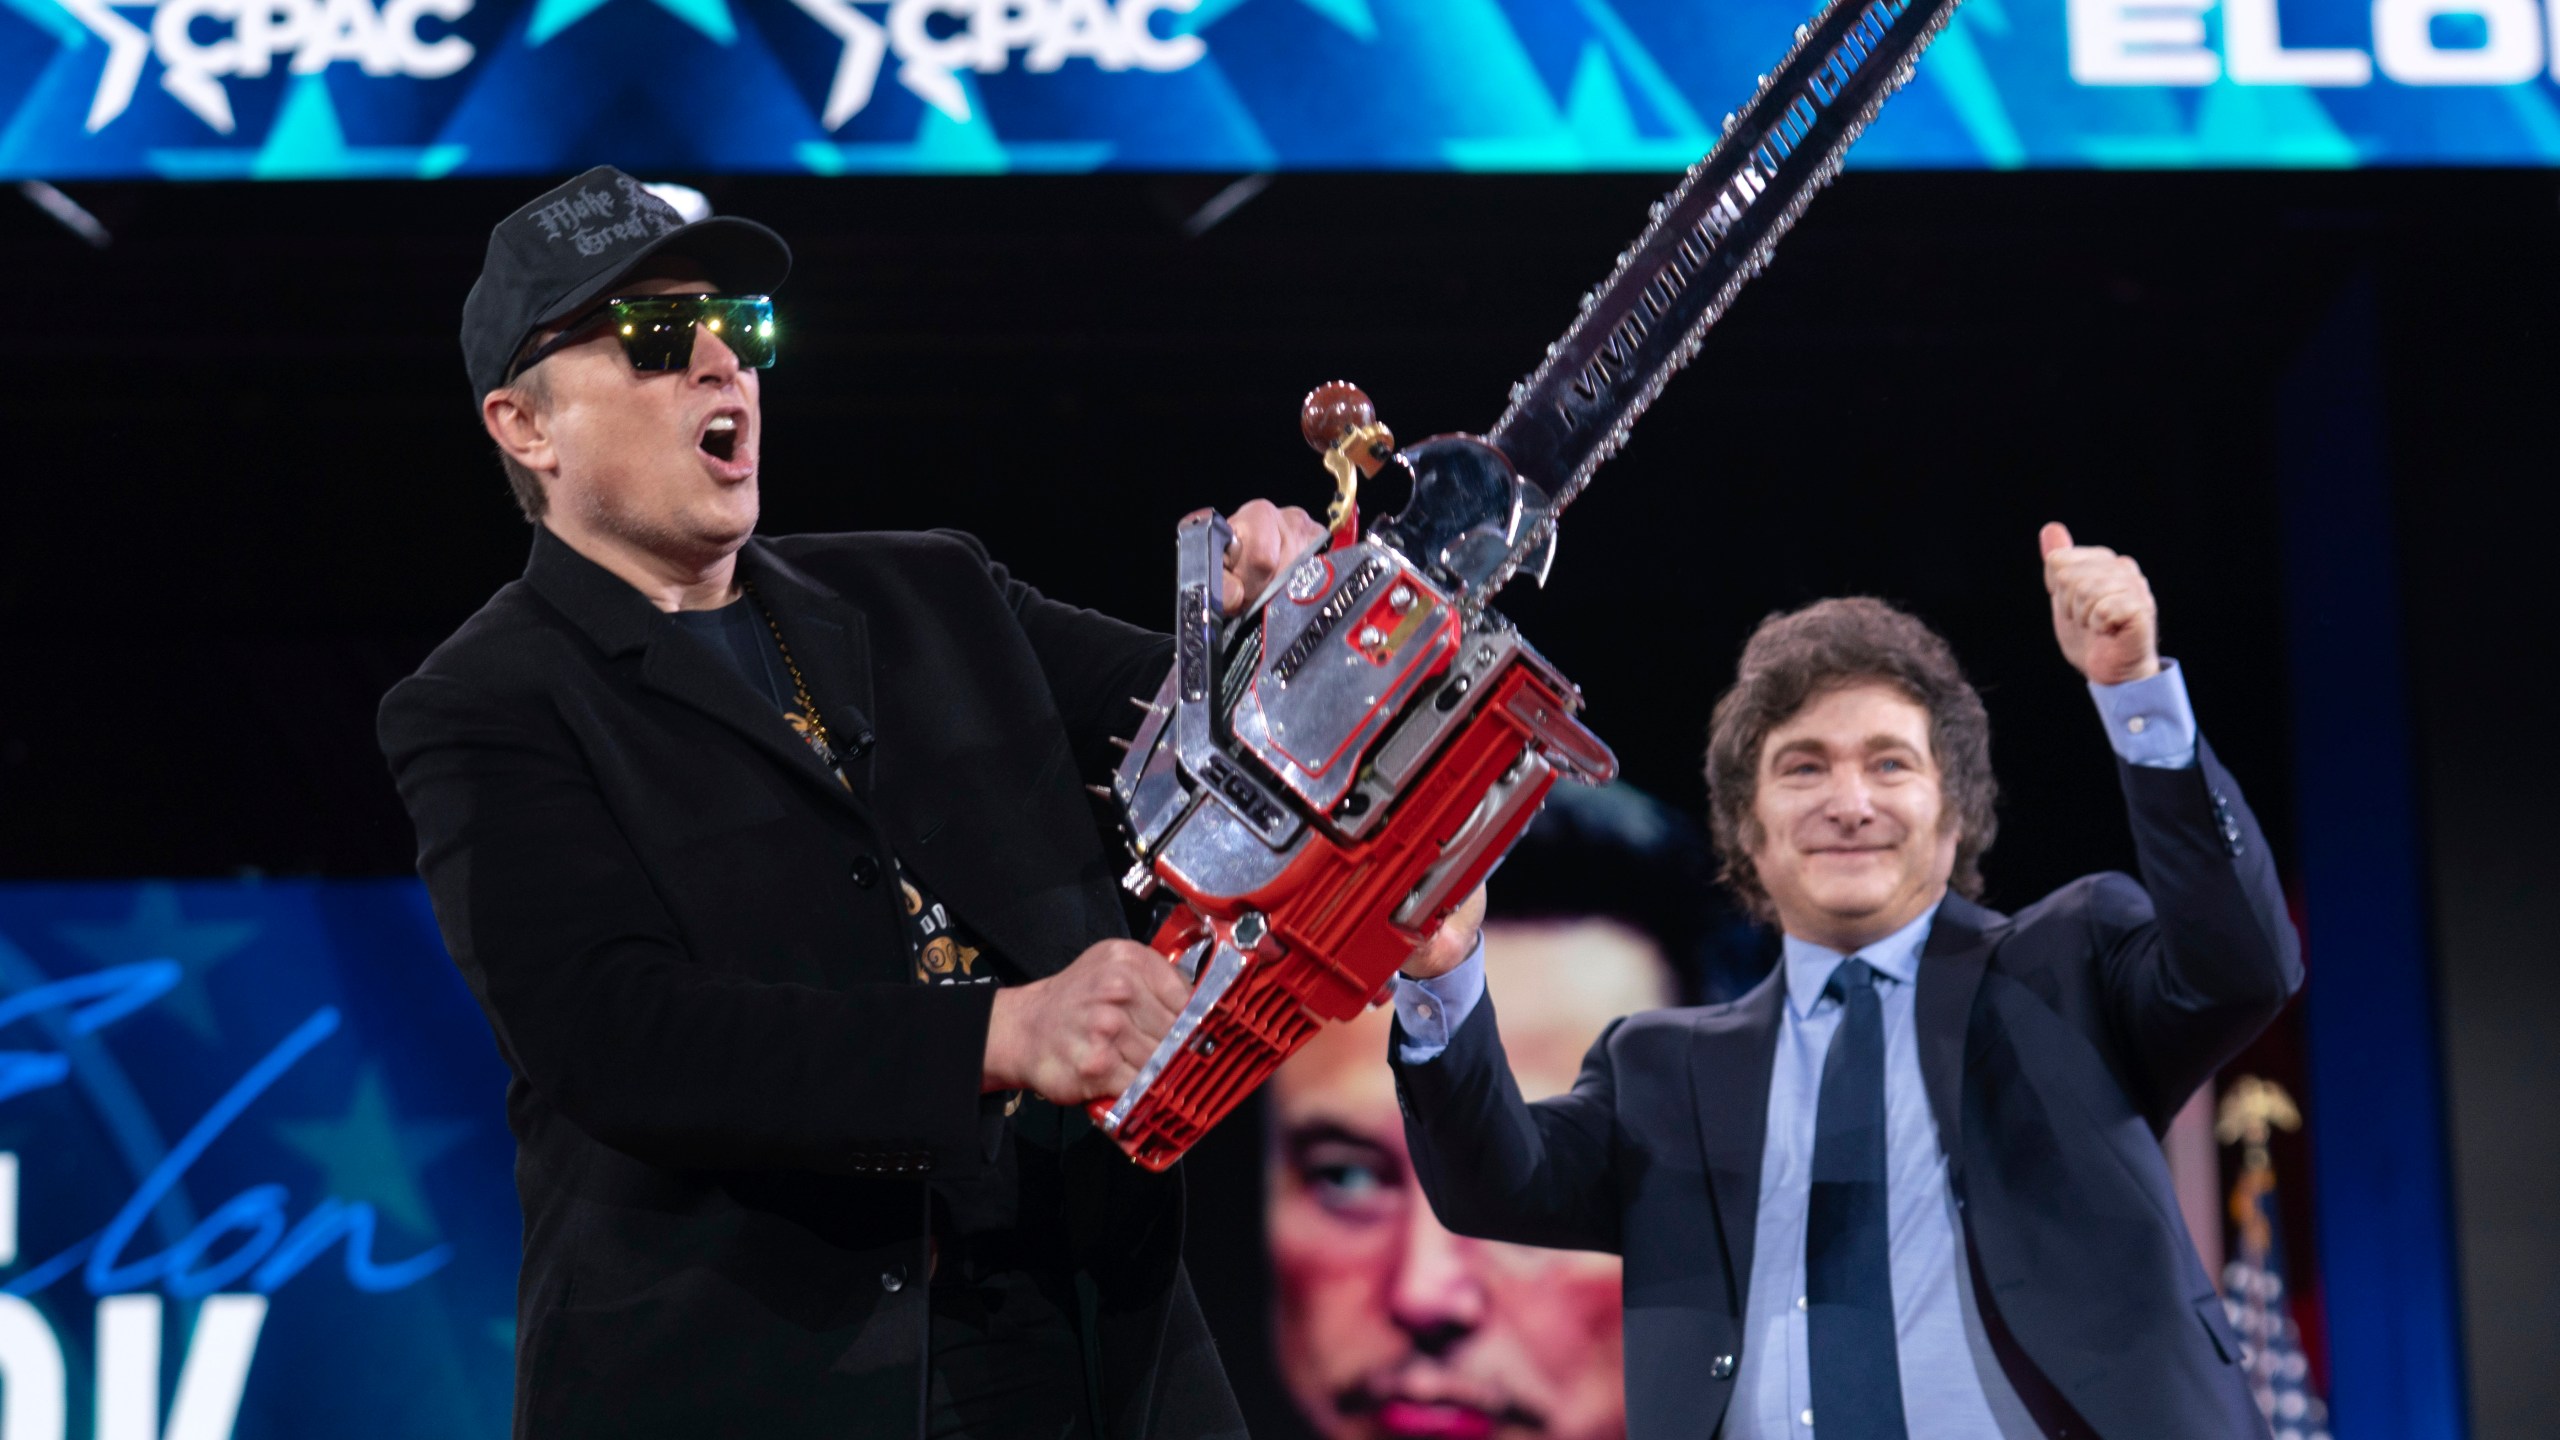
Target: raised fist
[2103, 614]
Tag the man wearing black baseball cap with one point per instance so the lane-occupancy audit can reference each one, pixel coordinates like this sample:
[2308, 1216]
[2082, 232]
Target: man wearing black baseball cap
[770, 862]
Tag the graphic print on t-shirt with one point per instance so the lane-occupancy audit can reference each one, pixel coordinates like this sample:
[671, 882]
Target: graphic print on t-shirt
[942, 957]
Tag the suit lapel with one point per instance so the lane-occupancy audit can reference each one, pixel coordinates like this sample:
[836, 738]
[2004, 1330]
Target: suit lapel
[829, 640]
[1736, 1045]
[1729, 1074]
[622, 621]
[682, 669]
[1951, 966]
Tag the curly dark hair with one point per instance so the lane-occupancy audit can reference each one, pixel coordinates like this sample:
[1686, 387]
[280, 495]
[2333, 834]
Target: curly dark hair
[1799, 656]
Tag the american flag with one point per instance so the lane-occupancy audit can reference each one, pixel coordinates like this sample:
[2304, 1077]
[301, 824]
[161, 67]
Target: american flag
[2253, 1291]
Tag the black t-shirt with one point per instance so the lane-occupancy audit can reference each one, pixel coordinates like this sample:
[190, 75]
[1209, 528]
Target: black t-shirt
[1009, 1358]
[940, 950]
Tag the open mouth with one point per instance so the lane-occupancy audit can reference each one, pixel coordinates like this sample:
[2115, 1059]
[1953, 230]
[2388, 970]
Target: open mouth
[720, 439]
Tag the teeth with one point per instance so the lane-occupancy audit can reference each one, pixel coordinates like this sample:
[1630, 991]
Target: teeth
[720, 423]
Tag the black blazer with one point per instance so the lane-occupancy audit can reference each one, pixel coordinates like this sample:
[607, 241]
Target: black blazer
[729, 1096]
[2055, 1045]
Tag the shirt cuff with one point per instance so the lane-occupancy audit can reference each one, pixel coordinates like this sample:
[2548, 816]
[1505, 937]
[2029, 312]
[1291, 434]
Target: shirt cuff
[1432, 1010]
[2149, 722]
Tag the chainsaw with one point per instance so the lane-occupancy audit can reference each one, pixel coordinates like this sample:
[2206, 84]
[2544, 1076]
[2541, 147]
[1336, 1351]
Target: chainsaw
[1322, 778]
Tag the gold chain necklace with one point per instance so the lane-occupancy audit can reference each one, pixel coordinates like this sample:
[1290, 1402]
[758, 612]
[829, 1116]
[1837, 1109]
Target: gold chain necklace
[817, 735]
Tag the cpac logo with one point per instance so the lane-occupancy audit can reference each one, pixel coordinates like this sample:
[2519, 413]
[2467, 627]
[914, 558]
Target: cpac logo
[936, 39]
[200, 43]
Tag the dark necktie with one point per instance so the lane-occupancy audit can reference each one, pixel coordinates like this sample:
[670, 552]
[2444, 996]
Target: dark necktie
[1857, 1380]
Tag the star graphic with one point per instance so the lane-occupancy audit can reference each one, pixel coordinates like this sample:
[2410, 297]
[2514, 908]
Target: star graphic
[945, 145]
[858, 68]
[371, 1155]
[128, 45]
[866, 44]
[711, 17]
[157, 931]
[306, 142]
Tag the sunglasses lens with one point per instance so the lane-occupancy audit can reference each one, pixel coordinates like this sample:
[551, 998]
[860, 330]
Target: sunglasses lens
[744, 323]
[657, 332]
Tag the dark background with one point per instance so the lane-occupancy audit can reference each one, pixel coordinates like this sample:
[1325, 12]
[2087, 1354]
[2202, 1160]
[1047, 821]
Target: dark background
[250, 494]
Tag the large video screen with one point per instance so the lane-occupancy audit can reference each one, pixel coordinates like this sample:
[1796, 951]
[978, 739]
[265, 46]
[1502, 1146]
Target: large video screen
[223, 89]
[252, 1137]
[255, 1171]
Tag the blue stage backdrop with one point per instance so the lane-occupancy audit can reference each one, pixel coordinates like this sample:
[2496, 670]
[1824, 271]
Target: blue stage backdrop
[207, 89]
[256, 1174]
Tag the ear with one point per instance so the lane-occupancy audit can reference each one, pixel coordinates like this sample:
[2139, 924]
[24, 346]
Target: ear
[520, 429]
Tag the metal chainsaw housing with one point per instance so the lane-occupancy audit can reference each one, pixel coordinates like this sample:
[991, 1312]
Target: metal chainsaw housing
[1322, 780]
[1319, 783]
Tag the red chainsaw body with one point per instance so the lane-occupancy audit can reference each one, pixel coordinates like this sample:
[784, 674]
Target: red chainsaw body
[1377, 753]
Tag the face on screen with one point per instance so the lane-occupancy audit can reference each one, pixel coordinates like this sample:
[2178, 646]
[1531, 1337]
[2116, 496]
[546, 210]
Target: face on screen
[1389, 1326]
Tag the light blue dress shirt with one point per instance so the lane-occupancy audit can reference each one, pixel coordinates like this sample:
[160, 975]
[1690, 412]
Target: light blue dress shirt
[1952, 1384]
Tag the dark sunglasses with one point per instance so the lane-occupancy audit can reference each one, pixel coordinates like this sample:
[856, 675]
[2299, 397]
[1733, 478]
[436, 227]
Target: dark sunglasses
[656, 331]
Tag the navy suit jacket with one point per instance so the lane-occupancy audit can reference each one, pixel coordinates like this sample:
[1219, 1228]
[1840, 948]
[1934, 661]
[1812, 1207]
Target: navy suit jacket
[2055, 1044]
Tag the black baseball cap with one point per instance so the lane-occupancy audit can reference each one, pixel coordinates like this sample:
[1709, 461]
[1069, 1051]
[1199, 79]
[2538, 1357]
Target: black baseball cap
[573, 243]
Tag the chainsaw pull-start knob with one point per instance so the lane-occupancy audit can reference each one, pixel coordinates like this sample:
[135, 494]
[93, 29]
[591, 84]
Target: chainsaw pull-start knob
[1331, 410]
[1343, 427]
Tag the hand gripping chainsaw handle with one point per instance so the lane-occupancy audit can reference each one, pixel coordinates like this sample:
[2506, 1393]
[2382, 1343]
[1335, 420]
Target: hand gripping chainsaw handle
[1320, 781]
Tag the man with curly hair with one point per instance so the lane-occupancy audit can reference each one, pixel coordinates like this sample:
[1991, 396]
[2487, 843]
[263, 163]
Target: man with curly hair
[1908, 1186]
